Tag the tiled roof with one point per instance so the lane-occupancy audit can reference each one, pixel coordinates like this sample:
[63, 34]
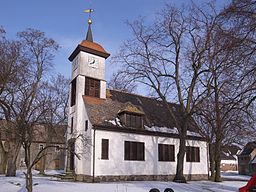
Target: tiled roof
[249, 147]
[89, 47]
[229, 152]
[92, 45]
[105, 112]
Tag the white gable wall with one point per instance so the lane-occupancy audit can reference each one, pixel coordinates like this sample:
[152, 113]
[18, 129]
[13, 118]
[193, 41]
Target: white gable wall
[116, 165]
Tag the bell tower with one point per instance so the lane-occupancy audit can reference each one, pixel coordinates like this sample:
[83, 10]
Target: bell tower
[87, 79]
[88, 61]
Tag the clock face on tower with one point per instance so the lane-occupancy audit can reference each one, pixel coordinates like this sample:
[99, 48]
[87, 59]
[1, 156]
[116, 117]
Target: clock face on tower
[93, 62]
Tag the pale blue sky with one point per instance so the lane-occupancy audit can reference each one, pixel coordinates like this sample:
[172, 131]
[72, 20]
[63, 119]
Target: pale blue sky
[64, 21]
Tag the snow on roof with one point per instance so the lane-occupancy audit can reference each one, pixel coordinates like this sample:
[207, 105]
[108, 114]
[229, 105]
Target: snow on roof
[169, 130]
[117, 122]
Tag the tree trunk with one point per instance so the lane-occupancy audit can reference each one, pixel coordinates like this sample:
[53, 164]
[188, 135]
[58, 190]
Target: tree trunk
[12, 156]
[179, 177]
[29, 181]
[212, 162]
[3, 164]
[218, 130]
[42, 165]
[217, 161]
[3, 160]
[11, 167]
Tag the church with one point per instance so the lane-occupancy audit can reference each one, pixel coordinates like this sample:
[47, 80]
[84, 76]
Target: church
[125, 136]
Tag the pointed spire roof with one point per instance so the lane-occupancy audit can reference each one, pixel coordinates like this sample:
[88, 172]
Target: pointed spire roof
[88, 45]
[89, 34]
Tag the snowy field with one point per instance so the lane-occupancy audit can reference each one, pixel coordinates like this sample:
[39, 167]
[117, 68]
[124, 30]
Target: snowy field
[50, 184]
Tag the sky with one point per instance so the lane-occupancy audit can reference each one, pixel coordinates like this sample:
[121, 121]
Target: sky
[66, 23]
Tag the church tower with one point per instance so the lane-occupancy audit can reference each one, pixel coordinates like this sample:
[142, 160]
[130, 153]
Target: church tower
[88, 79]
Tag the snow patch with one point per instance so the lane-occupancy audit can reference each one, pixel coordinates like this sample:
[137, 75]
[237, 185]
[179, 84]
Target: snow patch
[169, 130]
[115, 122]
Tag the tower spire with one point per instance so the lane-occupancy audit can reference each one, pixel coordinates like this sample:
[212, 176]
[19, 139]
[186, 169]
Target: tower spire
[89, 31]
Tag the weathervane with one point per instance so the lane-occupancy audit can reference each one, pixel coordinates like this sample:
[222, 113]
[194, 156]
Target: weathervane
[89, 11]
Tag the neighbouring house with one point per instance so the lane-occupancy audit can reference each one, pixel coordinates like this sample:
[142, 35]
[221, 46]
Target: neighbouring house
[247, 159]
[129, 137]
[228, 156]
[45, 135]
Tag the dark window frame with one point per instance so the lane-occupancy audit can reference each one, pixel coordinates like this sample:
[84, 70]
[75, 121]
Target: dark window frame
[132, 120]
[192, 154]
[73, 93]
[92, 87]
[86, 125]
[166, 152]
[72, 125]
[134, 151]
[104, 149]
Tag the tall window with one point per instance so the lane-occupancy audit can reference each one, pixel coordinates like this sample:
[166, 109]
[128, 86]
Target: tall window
[73, 92]
[166, 152]
[134, 151]
[92, 87]
[192, 154]
[72, 125]
[104, 148]
[86, 125]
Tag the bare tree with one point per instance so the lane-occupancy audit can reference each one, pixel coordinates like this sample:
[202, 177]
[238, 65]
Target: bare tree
[55, 95]
[12, 66]
[21, 105]
[231, 62]
[120, 81]
[169, 58]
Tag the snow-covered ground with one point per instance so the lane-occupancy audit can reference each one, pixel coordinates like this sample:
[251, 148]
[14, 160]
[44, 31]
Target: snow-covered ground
[49, 184]
[233, 175]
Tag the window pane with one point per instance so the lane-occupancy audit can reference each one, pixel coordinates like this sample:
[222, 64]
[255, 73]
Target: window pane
[104, 148]
[166, 152]
[128, 120]
[72, 125]
[134, 151]
[134, 121]
[73, 93]
[192, 154]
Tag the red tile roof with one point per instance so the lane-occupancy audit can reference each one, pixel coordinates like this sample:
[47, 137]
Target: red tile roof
[92, 45]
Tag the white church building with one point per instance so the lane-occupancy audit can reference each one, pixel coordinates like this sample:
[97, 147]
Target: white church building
[128, 136]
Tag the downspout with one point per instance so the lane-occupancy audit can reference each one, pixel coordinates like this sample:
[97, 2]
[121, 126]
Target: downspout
[93, 161]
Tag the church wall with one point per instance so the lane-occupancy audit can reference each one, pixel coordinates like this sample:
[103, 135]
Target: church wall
[82, 145]
[117, 166]
[97, 71]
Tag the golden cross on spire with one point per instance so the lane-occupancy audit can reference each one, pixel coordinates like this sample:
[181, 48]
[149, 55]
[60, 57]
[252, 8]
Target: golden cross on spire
[89, 11]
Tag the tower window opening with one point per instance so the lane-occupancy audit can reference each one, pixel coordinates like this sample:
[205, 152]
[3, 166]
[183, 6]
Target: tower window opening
[92, 87]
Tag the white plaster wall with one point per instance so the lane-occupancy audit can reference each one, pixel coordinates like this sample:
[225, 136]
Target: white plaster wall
[75, 66]
[86, 70]
[103, 87]
[80, 69]
[83, 145]
[116, 165]
[233, 162]
[197, 167]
